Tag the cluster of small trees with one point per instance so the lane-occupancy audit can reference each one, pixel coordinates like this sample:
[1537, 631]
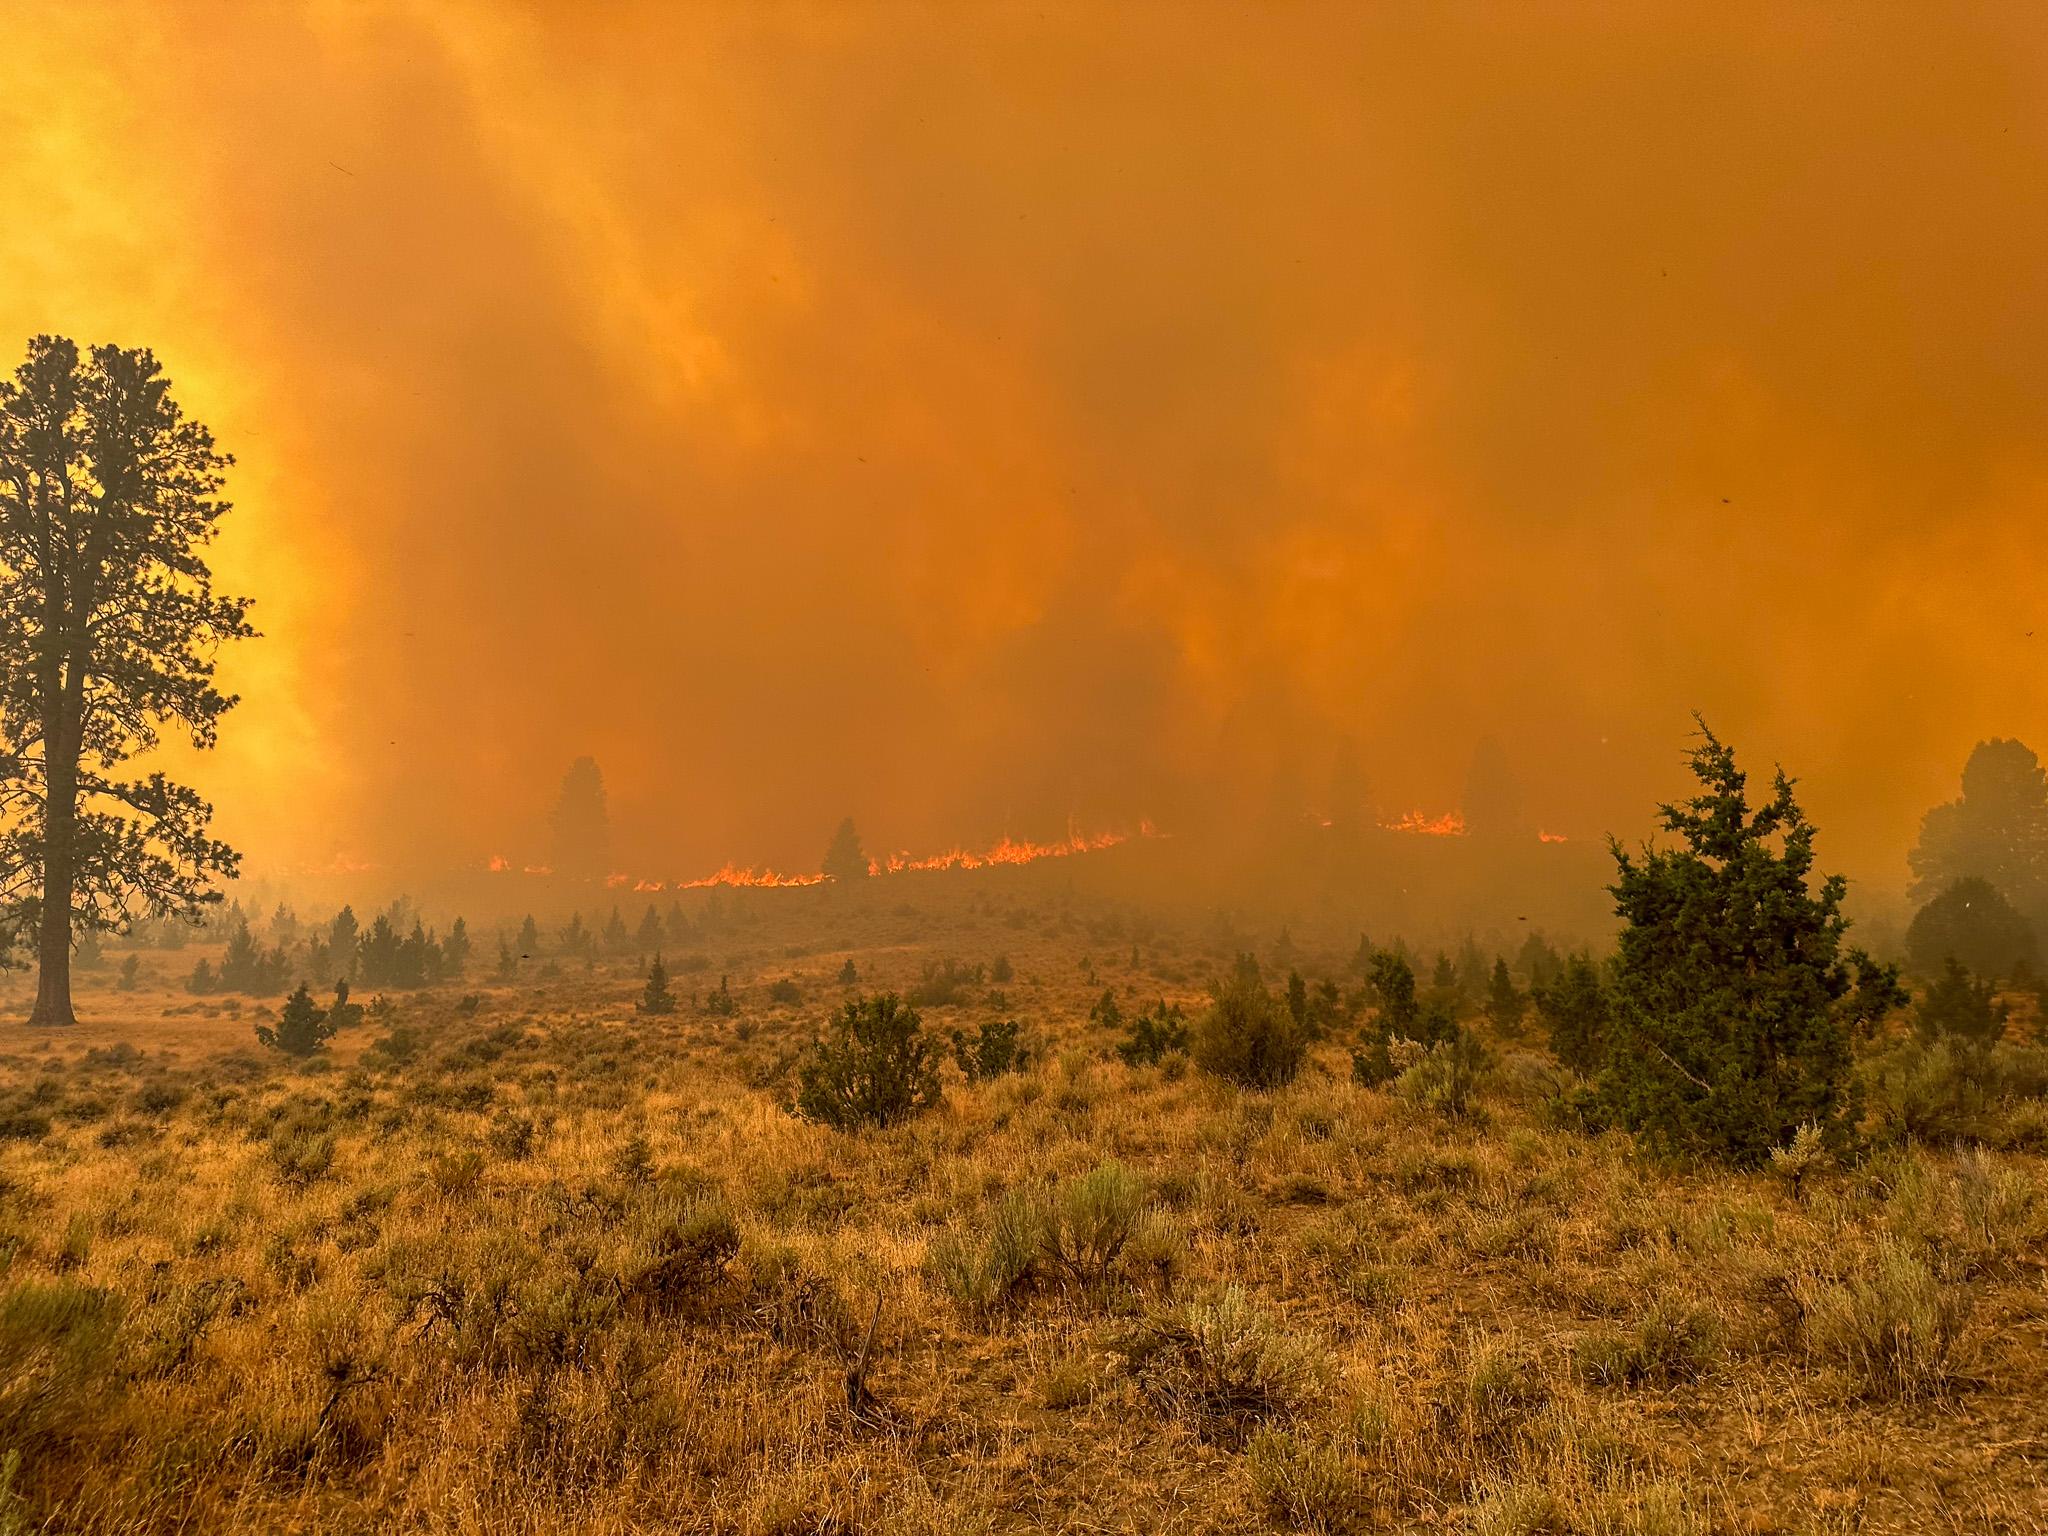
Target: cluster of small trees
[580, 939]
[387, 955]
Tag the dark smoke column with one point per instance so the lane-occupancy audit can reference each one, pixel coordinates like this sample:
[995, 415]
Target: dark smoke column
[582, 830]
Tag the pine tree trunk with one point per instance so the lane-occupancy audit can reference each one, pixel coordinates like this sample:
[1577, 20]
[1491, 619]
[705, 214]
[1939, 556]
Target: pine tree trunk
[53, 952]
[53, 978]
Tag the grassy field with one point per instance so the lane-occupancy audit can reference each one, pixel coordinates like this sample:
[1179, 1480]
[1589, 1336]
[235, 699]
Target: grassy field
[512, 1257]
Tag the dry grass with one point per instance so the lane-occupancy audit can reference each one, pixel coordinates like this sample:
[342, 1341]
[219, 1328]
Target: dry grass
[568, 1268]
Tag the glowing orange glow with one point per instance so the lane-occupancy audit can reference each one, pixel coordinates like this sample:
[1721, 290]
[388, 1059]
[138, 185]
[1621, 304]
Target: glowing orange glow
[499, 864]
[1449, 824]
[1552, 837]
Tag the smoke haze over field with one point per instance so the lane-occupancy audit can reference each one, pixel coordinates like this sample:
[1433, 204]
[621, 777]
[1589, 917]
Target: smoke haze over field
[972, 418]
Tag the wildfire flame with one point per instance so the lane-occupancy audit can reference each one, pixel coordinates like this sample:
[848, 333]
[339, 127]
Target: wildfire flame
[1006, 850]
[733, 874]
[1450, 824]
[1552, 837]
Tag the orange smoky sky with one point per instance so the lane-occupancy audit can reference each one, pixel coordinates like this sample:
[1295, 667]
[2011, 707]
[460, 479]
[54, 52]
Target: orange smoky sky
[971, 416]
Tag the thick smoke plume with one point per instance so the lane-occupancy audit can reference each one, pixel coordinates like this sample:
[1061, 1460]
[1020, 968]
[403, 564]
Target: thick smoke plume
[988, 420]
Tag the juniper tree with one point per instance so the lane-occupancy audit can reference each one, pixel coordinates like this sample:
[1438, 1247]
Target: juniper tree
[302, 1028]
[455, 948]
[1996, 830]
[1574, 1011]
[874, 1065]
[109, 627]
[1246, 1034]
[1504, 1003]
[1962, 1008]
[1731, 991]
[657, 998]
[1970, 922]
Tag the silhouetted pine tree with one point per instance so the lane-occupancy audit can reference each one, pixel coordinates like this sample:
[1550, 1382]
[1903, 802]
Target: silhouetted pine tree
[845, 862]
[342, 936]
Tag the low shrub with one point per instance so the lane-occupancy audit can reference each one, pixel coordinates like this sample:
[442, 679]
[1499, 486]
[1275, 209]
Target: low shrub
[688, 1245]
[1224, 1364]
[873, 1066]
[1247, 1035]
[1892, 1325]
[1445, 1076]
[1673, 1341]
[990, 1052]
[1149, 1037]
[1928, 1090]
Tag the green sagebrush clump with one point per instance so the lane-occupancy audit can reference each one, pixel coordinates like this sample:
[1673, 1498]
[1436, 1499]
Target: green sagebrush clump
[1947, 1088]
[994, 1049]
[1225, 1364]
[1089, 1234]
[1247, 1035]
[1892, 1325]
[1733, 1001]
[874, 1065]
[1444, 1077]
[682, 1245]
